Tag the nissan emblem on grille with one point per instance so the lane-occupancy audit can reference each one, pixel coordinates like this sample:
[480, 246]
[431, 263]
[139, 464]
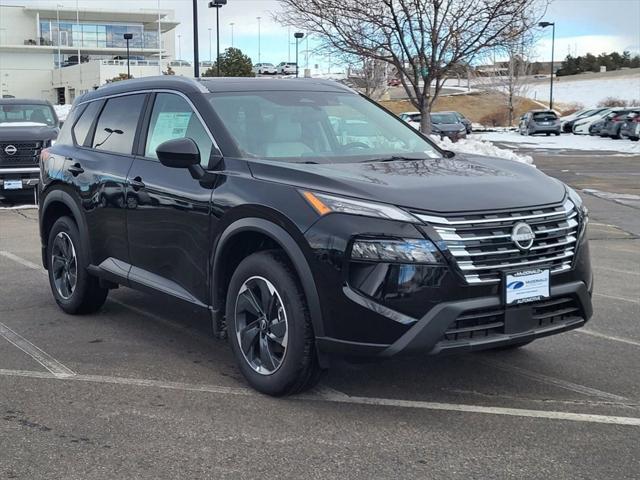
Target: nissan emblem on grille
[10, 150]
[523, 236]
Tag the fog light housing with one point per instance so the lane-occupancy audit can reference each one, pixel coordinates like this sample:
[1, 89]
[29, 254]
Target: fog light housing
[396, 251]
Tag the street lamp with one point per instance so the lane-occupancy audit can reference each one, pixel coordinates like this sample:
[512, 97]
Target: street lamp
[210, 49]
[258, 18]
[231, 25]
[127, 37]
[298, 36]
[217, 4]
[180, 47]
[553, 41]
[196, 54]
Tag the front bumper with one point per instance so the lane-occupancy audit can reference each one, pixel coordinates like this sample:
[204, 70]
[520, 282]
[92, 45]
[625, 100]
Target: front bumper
[490, 325]
[29, 176]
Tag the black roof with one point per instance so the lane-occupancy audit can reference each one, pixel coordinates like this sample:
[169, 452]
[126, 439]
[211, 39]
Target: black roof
[23, 101]
[218, 84]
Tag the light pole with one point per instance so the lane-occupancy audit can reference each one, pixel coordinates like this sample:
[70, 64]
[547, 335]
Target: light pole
[127, 37]
[553, 41]
[59, 40]
[196, 54]
[180, 47]
[298, 36]
[231, 25]
[258, 18]
[217, 4]
[210, 48]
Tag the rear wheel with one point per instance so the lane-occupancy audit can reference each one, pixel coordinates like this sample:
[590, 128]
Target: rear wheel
[74, 290]
[270, 326]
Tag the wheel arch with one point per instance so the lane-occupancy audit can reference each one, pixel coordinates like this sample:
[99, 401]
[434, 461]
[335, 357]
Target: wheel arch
[56, 204]
[278, 236]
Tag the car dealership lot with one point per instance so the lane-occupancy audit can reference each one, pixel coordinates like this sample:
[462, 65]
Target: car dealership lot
[141, 390]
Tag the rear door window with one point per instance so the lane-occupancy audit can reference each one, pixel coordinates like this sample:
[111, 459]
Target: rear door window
[116, 128]
[544, 117]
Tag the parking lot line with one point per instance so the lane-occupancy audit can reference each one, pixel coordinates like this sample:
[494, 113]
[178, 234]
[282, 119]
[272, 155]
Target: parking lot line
[614, 297]
[607, 337]
[626, 272]
[43, 358]
[20, 260]
[339, 397]
[564, 384]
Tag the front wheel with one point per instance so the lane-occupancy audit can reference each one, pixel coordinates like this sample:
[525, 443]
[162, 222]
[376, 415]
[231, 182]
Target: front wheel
[270, 327]
[74, 290]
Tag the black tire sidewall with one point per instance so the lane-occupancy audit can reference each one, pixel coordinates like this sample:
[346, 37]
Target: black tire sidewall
[272, 266]
[74, 303]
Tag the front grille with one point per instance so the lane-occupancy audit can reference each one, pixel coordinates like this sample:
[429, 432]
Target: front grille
[484, 323]
[482, 246]
[27, 154]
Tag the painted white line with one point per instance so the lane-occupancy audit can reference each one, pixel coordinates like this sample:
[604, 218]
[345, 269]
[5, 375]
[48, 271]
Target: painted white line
[339, 397]
[625, 272]
[564, 384]
[21, 261]
[608, 337]
[614, 297]
[43, 358]
[20, 207]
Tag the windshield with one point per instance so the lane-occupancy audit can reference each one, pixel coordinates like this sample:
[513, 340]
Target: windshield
[316, 127]
[31, 114]
[444, 118]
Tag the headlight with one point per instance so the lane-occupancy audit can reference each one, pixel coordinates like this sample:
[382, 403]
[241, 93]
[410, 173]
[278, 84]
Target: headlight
[325, 204]
[583, 211]
[403, 251]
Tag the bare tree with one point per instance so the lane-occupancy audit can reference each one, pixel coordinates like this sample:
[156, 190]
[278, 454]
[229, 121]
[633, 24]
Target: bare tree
[422, 39]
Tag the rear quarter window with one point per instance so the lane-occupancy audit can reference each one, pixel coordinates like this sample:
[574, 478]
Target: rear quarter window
[84, 123]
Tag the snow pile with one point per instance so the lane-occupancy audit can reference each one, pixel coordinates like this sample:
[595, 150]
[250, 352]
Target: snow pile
[479, 147]
[587, 92]
[62, 111]
[563, 142]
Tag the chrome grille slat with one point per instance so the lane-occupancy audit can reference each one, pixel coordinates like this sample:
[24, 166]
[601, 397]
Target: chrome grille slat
[482, 248]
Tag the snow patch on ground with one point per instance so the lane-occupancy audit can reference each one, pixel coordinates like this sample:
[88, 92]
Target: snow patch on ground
[563, 142]
[587, 92]
[477, 146]
[62, 111]
[623, 198]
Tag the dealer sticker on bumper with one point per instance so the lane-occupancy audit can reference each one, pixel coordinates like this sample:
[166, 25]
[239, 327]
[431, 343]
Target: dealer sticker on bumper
[12, 184]
[528, 286]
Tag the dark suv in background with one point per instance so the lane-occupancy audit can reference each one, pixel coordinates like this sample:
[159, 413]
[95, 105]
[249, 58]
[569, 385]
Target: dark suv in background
[26, 127]
[249, 198]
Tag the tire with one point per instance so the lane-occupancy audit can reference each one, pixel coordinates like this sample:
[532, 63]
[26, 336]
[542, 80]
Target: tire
[547, 134]
[557, 134]
[267, 280]
[84, 294]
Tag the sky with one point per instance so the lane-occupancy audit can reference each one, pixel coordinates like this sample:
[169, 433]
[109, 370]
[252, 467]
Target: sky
[582, 26]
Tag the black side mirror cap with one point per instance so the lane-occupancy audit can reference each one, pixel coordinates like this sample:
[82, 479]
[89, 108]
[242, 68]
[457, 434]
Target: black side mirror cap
[178, 153]
[448, 154]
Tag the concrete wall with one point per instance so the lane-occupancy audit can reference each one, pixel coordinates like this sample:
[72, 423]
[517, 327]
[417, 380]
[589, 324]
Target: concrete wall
[26, 76]
[16, 25]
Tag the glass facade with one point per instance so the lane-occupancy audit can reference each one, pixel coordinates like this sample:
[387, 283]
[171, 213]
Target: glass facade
[90, 35]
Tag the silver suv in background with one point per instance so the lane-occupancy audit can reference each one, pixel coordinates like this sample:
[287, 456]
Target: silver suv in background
[539, 121]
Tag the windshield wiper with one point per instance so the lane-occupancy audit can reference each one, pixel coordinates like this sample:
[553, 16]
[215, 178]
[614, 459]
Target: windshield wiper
[392, 158]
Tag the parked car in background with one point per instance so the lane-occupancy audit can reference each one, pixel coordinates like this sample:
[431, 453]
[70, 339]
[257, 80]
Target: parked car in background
[539, 121]
[412, 118]
[286, 68]
[265, 69]
[568, 121]
[26, 127]
[596, 127]
[394, 82]
[448, 124]
[464, 120]
[582, 125]
[629, 125]
[614, 121]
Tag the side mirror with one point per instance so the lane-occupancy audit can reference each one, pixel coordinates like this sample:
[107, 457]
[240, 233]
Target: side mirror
[448, 154]
[181, 153]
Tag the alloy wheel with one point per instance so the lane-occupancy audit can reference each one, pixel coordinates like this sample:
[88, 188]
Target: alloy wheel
[261, 325]
[64, 265]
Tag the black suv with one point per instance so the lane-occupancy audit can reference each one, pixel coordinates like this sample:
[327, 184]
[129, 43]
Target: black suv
[308, 221]
[26, 127]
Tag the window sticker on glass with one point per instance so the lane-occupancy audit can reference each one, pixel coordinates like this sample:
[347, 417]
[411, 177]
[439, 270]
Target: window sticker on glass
[169, 126]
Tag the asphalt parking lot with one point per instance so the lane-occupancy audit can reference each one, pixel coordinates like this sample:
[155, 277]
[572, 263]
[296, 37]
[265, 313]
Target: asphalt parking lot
[142, 390]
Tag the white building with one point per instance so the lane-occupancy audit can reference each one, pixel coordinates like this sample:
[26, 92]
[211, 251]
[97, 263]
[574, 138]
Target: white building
[40, 48]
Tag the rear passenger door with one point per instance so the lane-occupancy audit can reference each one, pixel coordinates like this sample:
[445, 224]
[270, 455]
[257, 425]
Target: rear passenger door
[104, 135]
[168, 211]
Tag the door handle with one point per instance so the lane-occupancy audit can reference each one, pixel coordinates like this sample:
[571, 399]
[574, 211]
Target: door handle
[136, 183]
[76, 169]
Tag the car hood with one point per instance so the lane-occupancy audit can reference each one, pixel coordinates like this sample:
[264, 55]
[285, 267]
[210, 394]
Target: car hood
[464, 183]
[448, 127]
[27, 133]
